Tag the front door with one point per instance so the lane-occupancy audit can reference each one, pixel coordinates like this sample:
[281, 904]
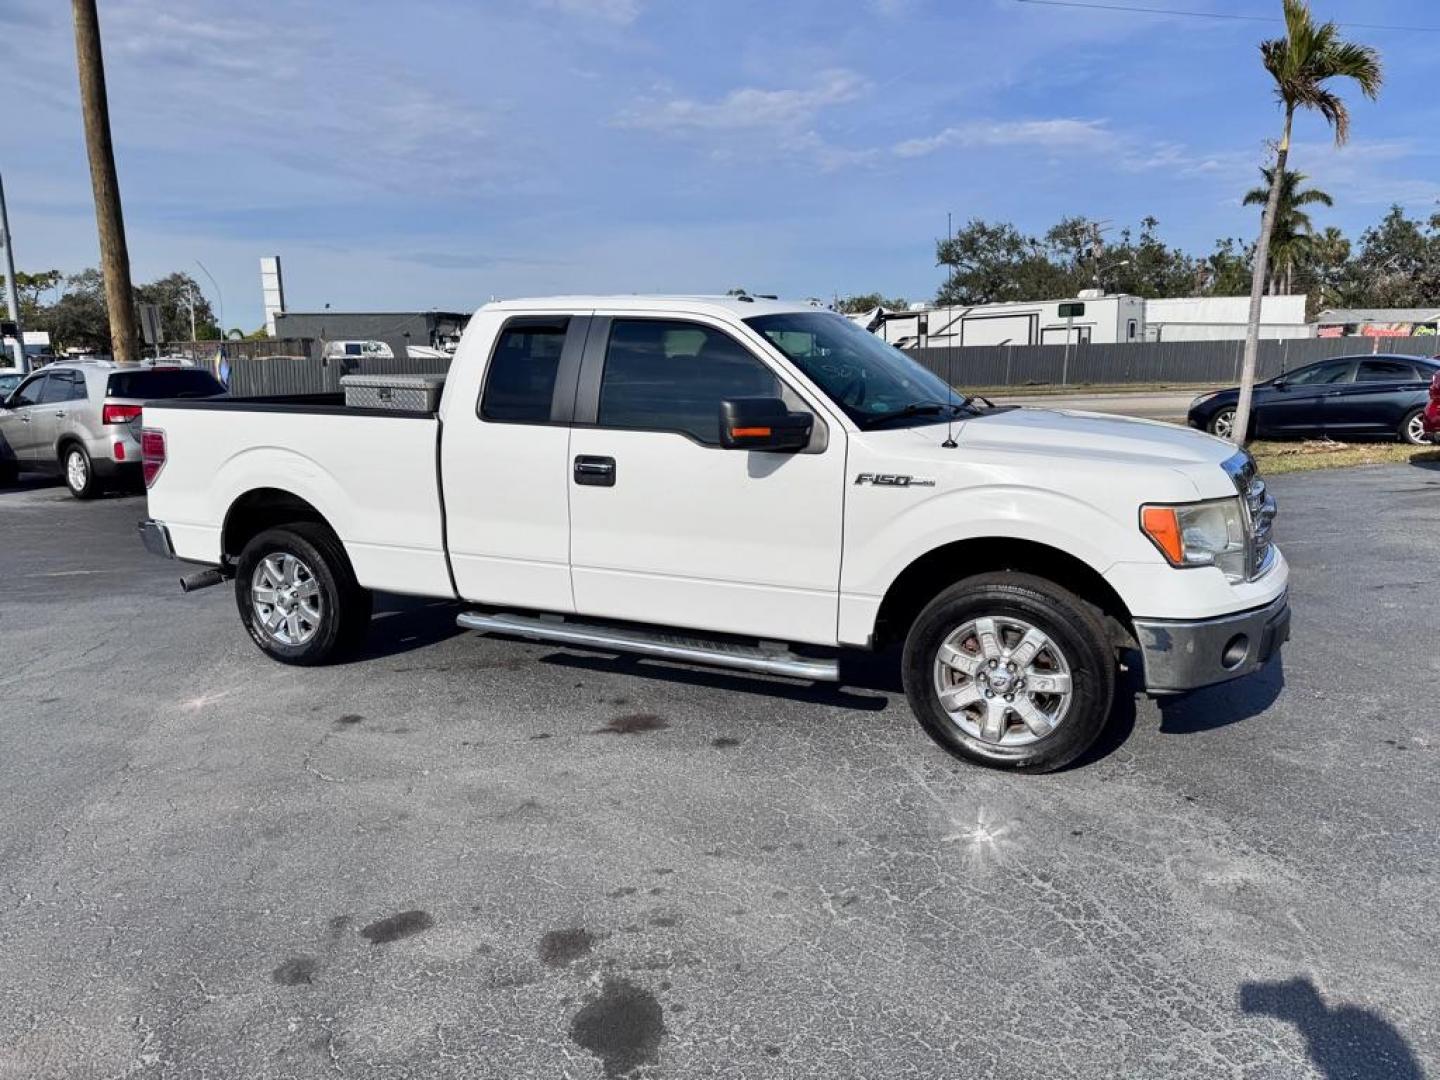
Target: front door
[19, 424]
[507, 477]
[1295, 405]
[669, 527]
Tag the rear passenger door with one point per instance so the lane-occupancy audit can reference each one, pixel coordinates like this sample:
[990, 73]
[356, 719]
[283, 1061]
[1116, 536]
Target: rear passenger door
[506, 478]
[669, 527]
[56, 402]
[1383, 391]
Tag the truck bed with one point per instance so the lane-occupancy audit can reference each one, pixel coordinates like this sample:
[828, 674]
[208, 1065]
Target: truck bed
[372, 473]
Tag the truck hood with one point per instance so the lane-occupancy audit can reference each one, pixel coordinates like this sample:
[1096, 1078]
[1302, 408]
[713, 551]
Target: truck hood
[1078, 437]
[1097, 434]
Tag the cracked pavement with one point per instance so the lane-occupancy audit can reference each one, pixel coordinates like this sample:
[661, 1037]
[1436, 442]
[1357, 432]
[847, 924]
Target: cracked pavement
[465, 856]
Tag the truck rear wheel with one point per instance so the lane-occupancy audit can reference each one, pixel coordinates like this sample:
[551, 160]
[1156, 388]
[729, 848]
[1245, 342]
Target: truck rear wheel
[298, 596]
[1010, 671]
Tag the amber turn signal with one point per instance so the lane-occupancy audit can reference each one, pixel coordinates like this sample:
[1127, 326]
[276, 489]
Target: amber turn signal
[1162, 526]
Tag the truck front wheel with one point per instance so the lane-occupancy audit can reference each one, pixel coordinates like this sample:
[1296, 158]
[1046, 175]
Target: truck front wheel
[298, 596]
[1010, 671]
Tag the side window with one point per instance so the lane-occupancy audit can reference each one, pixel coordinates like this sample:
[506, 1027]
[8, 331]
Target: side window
[672, 376]
[78, 390]
[57, 388]
[520, 382]
[1322, 373]
[29, 392]
[1385, 371]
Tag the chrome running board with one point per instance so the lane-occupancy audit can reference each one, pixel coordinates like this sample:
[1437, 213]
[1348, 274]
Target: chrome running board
[662, 646]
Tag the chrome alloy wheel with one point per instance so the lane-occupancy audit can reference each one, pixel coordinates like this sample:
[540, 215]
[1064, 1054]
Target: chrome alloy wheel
[286, 598]
[76, 471]
[1415, 430]
[1223, 426]
[1003, 681]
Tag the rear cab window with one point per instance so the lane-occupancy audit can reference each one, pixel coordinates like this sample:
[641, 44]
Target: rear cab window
[520, 381]
[157, 383]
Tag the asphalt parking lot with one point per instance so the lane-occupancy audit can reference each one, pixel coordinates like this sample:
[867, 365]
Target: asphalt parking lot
[461, 856]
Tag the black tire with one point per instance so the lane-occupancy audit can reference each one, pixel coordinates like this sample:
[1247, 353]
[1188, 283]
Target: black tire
[1072, 626]
[1411, 431]
[81, 478]
[344, 607]
[9, 473]
[1222, 424]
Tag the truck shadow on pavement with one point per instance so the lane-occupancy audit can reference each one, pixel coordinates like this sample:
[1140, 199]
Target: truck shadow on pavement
[1343, 1041]
[839, 695]
[1224, 703]
[402, 624]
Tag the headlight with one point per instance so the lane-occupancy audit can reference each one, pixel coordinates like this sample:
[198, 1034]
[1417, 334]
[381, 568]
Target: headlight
[1203, 398]
[1199, 534]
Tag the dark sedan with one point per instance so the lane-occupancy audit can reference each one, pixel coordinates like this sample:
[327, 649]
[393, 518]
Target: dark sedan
[1349, 396]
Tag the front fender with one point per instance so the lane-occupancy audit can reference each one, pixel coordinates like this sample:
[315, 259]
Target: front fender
[881, 540]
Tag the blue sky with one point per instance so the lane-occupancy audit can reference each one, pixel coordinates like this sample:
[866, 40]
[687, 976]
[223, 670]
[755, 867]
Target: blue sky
[434, 153]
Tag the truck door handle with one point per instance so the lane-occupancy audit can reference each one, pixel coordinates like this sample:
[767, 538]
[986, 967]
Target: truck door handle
[595, 471]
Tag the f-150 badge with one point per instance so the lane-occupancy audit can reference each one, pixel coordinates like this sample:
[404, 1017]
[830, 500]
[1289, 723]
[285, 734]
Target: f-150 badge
[892, 480]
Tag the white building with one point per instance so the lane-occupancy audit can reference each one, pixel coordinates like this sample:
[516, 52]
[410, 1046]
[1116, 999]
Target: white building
[1223, 318]
[1092, 316]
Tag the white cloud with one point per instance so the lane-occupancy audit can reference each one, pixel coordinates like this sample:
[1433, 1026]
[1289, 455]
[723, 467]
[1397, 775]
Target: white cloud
[1061, 133]
[748, 107]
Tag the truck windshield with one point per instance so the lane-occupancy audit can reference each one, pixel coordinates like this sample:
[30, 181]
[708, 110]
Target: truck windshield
[871, 381]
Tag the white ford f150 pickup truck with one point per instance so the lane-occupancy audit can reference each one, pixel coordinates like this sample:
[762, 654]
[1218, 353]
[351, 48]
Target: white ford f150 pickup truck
[742, 482]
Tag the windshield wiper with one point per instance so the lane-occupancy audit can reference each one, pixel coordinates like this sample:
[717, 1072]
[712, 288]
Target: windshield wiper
[915, 408]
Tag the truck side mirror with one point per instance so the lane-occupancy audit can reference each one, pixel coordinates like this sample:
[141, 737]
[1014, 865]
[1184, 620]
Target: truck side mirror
[763, 424]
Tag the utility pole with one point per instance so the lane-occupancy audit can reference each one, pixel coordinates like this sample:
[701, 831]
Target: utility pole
[12, 294]
[114, 255]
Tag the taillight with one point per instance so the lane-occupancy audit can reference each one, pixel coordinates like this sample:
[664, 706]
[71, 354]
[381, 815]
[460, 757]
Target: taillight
[1435, 387]
[152, 453]
[119, 414]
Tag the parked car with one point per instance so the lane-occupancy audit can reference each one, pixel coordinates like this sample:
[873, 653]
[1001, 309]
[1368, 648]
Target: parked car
[746, 483]
[1431, 418]
[82, 420]
[1349, 396]
[9, 380]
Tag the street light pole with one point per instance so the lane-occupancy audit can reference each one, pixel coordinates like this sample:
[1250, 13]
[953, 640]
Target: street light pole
[114, 255]
[12, 294]
[219, 296]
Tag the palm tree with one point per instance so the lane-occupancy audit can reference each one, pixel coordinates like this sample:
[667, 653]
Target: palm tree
[1302, 63]
[1292, 232]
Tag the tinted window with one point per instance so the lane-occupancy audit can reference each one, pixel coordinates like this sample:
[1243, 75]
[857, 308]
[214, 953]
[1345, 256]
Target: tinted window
[1321, 373]
[163, 383]
[58, 387]
[29, 393]
[672, 376]
[1385, 371]
[520, 382]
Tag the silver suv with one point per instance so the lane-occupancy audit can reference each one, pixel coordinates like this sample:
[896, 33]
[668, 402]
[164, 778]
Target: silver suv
[82, 420]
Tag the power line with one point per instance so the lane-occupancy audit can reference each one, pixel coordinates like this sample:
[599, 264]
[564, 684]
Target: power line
[1137, 9]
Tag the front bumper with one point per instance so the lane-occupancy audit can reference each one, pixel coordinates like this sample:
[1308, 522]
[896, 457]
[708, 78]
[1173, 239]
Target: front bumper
[1187, 655]
[156, 538]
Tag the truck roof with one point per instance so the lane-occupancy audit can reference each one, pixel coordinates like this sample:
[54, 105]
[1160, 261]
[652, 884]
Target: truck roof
[742, 307]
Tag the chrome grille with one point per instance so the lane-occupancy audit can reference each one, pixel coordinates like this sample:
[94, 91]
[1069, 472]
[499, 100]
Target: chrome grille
[1259, 506]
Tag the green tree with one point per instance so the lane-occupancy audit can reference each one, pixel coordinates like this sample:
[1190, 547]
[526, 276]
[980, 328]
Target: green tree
[79, 318]
[863, 302]
[175, 293]
[1292, 229]
[1226, 271]
[1302, 64]
[996, 263]
[1398, 264]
